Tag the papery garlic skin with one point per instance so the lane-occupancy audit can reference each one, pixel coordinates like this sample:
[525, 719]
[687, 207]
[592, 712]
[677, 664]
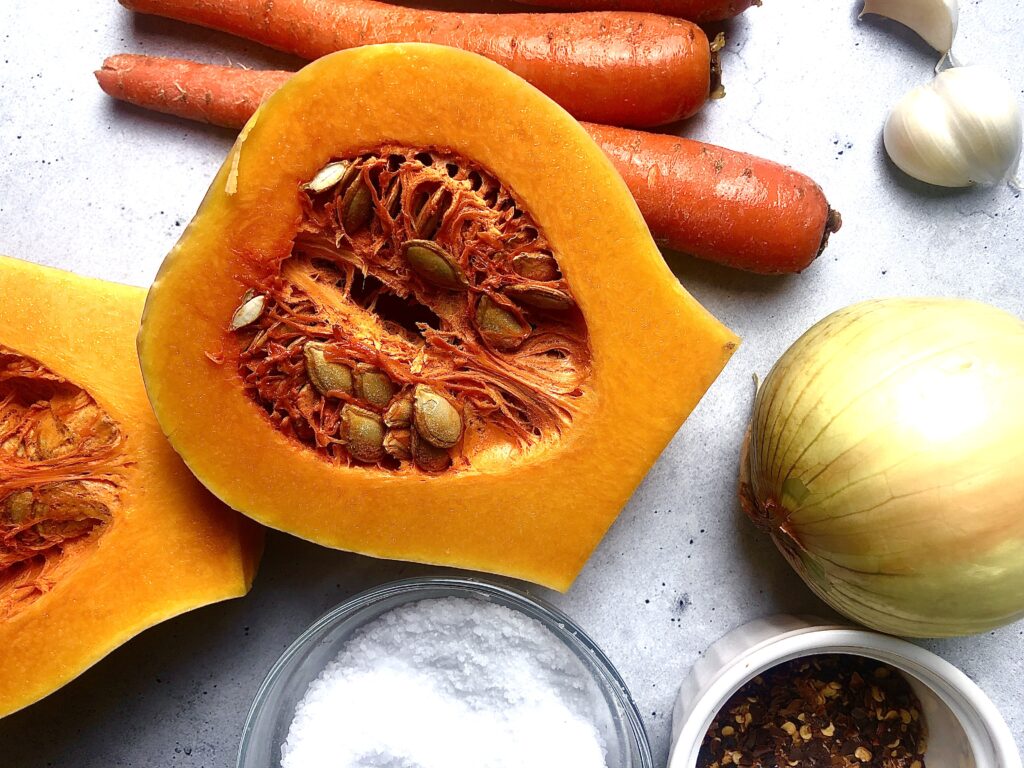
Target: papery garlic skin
[962, 128]
[933, 20]
[884, 458]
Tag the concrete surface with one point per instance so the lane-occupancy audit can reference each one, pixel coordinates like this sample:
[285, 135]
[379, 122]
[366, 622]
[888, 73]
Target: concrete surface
[105, 190]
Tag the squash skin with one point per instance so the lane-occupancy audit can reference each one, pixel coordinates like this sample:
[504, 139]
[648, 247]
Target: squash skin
[655, 349]
[171, 548]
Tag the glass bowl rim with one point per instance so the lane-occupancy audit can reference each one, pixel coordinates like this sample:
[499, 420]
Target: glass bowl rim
[552, 618]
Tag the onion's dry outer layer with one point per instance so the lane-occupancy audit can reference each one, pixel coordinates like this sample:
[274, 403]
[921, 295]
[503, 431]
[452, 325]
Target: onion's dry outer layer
[885, 458]
[103, 531]
[534, 512]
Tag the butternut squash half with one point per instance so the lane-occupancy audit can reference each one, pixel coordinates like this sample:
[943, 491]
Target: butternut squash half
[419, 316]
[103, 531]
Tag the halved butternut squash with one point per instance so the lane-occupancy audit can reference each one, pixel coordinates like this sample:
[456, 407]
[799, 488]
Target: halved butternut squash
[419, 316]
[103, 531]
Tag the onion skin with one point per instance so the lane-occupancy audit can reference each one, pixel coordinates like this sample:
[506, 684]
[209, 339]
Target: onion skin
[885, 457]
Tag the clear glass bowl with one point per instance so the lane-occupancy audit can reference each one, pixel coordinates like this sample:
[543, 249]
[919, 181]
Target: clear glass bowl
[274, 707]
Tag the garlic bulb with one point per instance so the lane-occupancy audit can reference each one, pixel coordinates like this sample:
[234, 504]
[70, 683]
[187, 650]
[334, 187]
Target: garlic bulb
[934, 20]
[962, 128]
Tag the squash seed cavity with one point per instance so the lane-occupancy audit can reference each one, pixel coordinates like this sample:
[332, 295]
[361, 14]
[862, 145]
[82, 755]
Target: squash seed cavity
[61, 460]
[421, 323]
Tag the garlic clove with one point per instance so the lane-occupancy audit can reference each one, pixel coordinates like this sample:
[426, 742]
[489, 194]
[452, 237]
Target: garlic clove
[917, 138]
[986, 120]
[962, 128]
[933, 20]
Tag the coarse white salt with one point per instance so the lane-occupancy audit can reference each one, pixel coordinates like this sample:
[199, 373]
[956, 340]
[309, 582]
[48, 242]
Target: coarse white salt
[450, 683]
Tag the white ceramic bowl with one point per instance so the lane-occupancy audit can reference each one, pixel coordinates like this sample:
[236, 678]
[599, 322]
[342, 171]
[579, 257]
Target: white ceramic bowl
[965, 730]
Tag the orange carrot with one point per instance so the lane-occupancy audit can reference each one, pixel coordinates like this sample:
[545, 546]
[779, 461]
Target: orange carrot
[711, 202]
[701, 11]
[225, 96]
[719, 204]
[637, 69]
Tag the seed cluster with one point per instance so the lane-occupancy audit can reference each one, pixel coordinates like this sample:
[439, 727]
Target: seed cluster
[59, 486]
[421, 321]
[833, 711]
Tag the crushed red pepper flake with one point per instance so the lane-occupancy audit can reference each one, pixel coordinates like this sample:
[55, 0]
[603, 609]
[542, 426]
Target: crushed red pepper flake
[830, 710]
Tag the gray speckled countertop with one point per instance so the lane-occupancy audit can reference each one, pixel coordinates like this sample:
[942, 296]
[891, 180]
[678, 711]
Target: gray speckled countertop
[102, 189]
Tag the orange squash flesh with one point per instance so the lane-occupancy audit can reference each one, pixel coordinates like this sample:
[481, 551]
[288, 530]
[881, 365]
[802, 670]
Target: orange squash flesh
[169, 546]
[655, 350]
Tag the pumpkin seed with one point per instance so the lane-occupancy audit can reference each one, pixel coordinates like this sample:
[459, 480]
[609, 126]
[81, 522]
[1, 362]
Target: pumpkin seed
[418, 204]
[541, 267]
[249, 311]
[363, 432]
[436, 420]
[373, 386]
[524, 236]
[351, 173]
[398, 443]
[18, 506]
[499, 327]
[540, 296]
[356, 207]
[327, 177]
[432, 263]
[393, 203]
[428, 457]
[258, 340]
[325, 375]
[399, 413]
[428, 221]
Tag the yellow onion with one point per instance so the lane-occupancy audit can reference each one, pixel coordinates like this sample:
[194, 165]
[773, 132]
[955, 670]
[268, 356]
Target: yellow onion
[886, 458]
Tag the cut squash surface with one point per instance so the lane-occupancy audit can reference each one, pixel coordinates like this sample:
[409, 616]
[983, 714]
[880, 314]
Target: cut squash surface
[418, 316]
[103, 530]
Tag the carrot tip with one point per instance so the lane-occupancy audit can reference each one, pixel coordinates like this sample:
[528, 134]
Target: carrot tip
[716, 89]
[103, 77]
[833, 223]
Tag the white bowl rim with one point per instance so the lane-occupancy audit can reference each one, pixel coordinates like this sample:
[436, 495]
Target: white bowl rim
[950, 684]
